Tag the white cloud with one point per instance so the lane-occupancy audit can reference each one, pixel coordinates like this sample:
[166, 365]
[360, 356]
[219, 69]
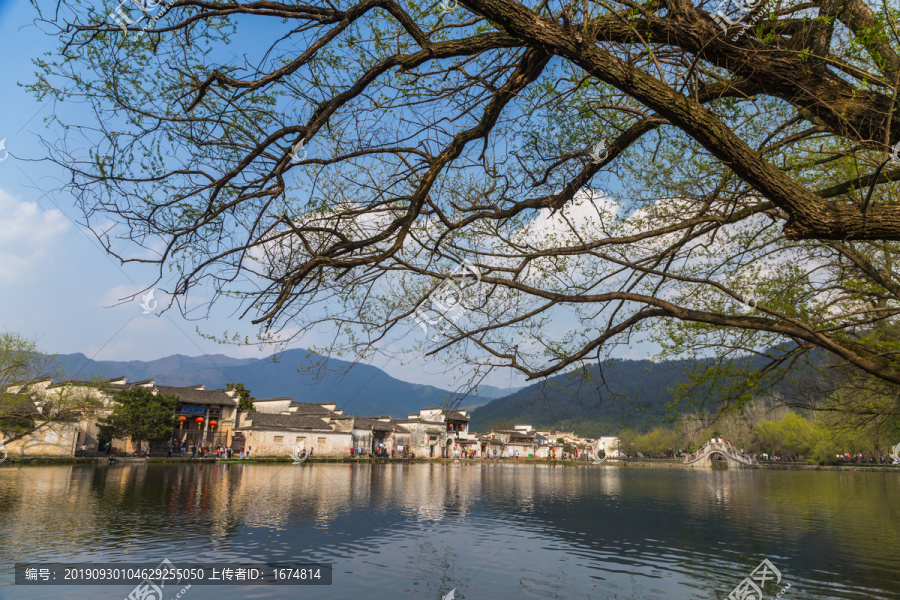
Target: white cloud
[28, 234]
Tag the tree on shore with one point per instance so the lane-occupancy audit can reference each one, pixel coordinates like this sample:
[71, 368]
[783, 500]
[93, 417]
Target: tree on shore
[367, 155]
[245, 400]
[27, 400]
[140, 415]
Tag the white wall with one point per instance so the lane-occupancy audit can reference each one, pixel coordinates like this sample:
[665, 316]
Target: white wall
[55, 439]
[324, 443]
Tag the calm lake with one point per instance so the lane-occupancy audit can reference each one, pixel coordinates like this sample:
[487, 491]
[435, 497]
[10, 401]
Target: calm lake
[488, 531]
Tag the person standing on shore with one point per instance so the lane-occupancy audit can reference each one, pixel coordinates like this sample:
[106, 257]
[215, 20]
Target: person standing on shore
[242, 453]
[83, 450]
[249, 449]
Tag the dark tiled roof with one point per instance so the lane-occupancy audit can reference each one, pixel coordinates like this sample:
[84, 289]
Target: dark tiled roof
[455, 415]
[398, 427]
[441, 423]
[372, 423]
[118, 387]
[16, 405]
[189, 395]
[280, 422]
[309, 408]
[75, 382]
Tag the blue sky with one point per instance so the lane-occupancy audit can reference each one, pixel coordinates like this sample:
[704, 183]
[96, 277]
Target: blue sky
[58, 285]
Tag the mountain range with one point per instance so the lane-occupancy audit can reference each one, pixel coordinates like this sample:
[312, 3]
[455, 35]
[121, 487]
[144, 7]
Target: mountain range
[602, 400]
[639, 394]
[359, 389]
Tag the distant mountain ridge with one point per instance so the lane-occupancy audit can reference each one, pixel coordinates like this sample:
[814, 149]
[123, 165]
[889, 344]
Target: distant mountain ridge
[637, 394]
[616, 394]
[360, 389]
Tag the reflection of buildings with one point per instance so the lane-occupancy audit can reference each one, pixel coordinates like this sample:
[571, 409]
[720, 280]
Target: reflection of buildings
[654, 525]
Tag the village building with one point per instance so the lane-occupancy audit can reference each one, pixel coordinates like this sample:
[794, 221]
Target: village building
[282, 426]
[285, 427]
[50, 438]
[276, 427]
[439, 433]
[373, 433]
[63, 416]
[609, 445]
[268, 434]
[204, 417]
[489, 445]
[521, 441]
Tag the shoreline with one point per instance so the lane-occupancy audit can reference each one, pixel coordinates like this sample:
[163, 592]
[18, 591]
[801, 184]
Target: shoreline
[629, 463]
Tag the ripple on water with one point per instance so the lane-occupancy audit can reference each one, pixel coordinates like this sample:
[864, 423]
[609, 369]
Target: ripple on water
[502, 531]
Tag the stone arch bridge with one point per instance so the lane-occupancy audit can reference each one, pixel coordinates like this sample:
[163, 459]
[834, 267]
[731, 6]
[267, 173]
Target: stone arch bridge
[703, 457]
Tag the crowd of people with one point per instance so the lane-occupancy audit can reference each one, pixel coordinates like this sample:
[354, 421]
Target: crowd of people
[380, 452]
[202, 451]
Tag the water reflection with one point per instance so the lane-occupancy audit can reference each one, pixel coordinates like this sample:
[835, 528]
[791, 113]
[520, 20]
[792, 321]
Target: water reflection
[490, 531]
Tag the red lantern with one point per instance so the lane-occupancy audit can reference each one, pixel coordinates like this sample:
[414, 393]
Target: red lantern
[199, 421]
[182, 419]
[212, 424]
